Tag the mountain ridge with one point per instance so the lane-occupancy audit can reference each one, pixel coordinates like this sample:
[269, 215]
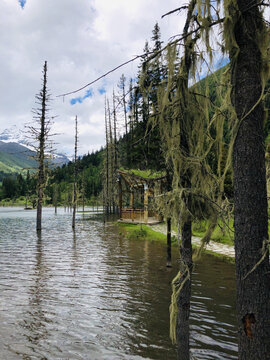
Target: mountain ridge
[17, 157]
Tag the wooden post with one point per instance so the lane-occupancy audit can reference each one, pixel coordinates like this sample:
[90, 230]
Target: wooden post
[169, 241]
[146, 203]
[120, 196]
[132, 204]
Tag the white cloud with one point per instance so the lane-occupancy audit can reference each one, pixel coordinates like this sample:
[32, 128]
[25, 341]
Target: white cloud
[81, 40]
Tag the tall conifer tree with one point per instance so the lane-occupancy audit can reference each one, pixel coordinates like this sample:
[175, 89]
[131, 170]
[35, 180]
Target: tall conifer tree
[250, 41]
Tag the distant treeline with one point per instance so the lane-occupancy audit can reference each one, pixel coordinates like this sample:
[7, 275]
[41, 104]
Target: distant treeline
[59, 182]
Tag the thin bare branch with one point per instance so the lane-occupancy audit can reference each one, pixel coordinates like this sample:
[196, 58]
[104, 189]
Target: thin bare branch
[142, 56]
[175, 10]
[102, 76]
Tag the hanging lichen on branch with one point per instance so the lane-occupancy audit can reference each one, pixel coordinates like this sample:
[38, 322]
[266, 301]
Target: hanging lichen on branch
[187, 111]
[177, 285]
[196, 134]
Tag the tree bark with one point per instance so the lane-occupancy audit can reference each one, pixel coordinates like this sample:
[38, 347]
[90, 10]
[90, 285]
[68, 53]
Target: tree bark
[186, 263]
[169, 221]
[185, 293]
[250, 197]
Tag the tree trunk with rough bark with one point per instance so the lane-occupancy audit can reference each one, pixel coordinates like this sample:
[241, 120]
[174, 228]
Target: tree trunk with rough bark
[185, 293]
[250, 197]
[169, 222]
[186, 264]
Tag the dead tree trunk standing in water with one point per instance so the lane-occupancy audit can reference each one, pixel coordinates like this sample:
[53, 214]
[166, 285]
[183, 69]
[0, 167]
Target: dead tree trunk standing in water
[250, 197]
[55, 197]
[115, 134]
[111, 161]
[106, 183]
[75, 174]
[115, 163]
[41, 172]
[38, 134]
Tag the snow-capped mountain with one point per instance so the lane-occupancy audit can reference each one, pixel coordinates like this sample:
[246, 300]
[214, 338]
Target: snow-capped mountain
[13, 135]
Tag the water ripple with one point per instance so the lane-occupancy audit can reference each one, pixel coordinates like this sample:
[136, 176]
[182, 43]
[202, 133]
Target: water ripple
[91, 294]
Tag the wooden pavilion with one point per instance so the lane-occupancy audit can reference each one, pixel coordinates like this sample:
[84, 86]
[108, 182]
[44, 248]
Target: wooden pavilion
[136, 197]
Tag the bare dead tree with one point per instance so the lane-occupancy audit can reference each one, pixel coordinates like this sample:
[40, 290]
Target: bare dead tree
[115, 135]
[106, 190]
[55, 197]
[122, 86]
[38, 136]
[75, 174]
[111, 158]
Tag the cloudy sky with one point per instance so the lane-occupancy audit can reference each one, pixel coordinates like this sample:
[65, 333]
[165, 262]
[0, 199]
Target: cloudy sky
[81, 40]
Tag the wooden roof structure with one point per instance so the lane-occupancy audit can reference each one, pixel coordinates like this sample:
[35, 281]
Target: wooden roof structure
[146, 186]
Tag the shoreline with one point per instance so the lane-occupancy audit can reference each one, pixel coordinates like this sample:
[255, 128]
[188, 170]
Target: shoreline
[213, 246]
[147, 232]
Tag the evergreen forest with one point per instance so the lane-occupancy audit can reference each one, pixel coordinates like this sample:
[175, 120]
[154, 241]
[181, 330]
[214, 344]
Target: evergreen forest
[21, 189]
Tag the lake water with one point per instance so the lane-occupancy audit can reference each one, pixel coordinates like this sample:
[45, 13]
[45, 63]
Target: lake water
[91, 294]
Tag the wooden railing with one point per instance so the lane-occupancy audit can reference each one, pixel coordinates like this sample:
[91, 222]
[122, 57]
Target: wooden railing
[133, 214]
[136, 214]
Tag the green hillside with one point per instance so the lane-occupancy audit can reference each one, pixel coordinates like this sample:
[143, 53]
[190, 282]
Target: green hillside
[15, 158]
[15, 188]
[9, 163]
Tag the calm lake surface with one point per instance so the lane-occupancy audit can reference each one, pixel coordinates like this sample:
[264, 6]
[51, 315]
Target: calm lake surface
[94, 295]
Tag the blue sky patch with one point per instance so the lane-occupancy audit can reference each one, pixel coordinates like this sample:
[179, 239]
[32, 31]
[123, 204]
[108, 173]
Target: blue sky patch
[219, 63]
[224, 61]
[79, 99]
[102, 90]
[22, 3]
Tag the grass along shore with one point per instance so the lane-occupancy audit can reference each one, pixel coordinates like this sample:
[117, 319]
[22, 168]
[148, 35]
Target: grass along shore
[223, 248]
